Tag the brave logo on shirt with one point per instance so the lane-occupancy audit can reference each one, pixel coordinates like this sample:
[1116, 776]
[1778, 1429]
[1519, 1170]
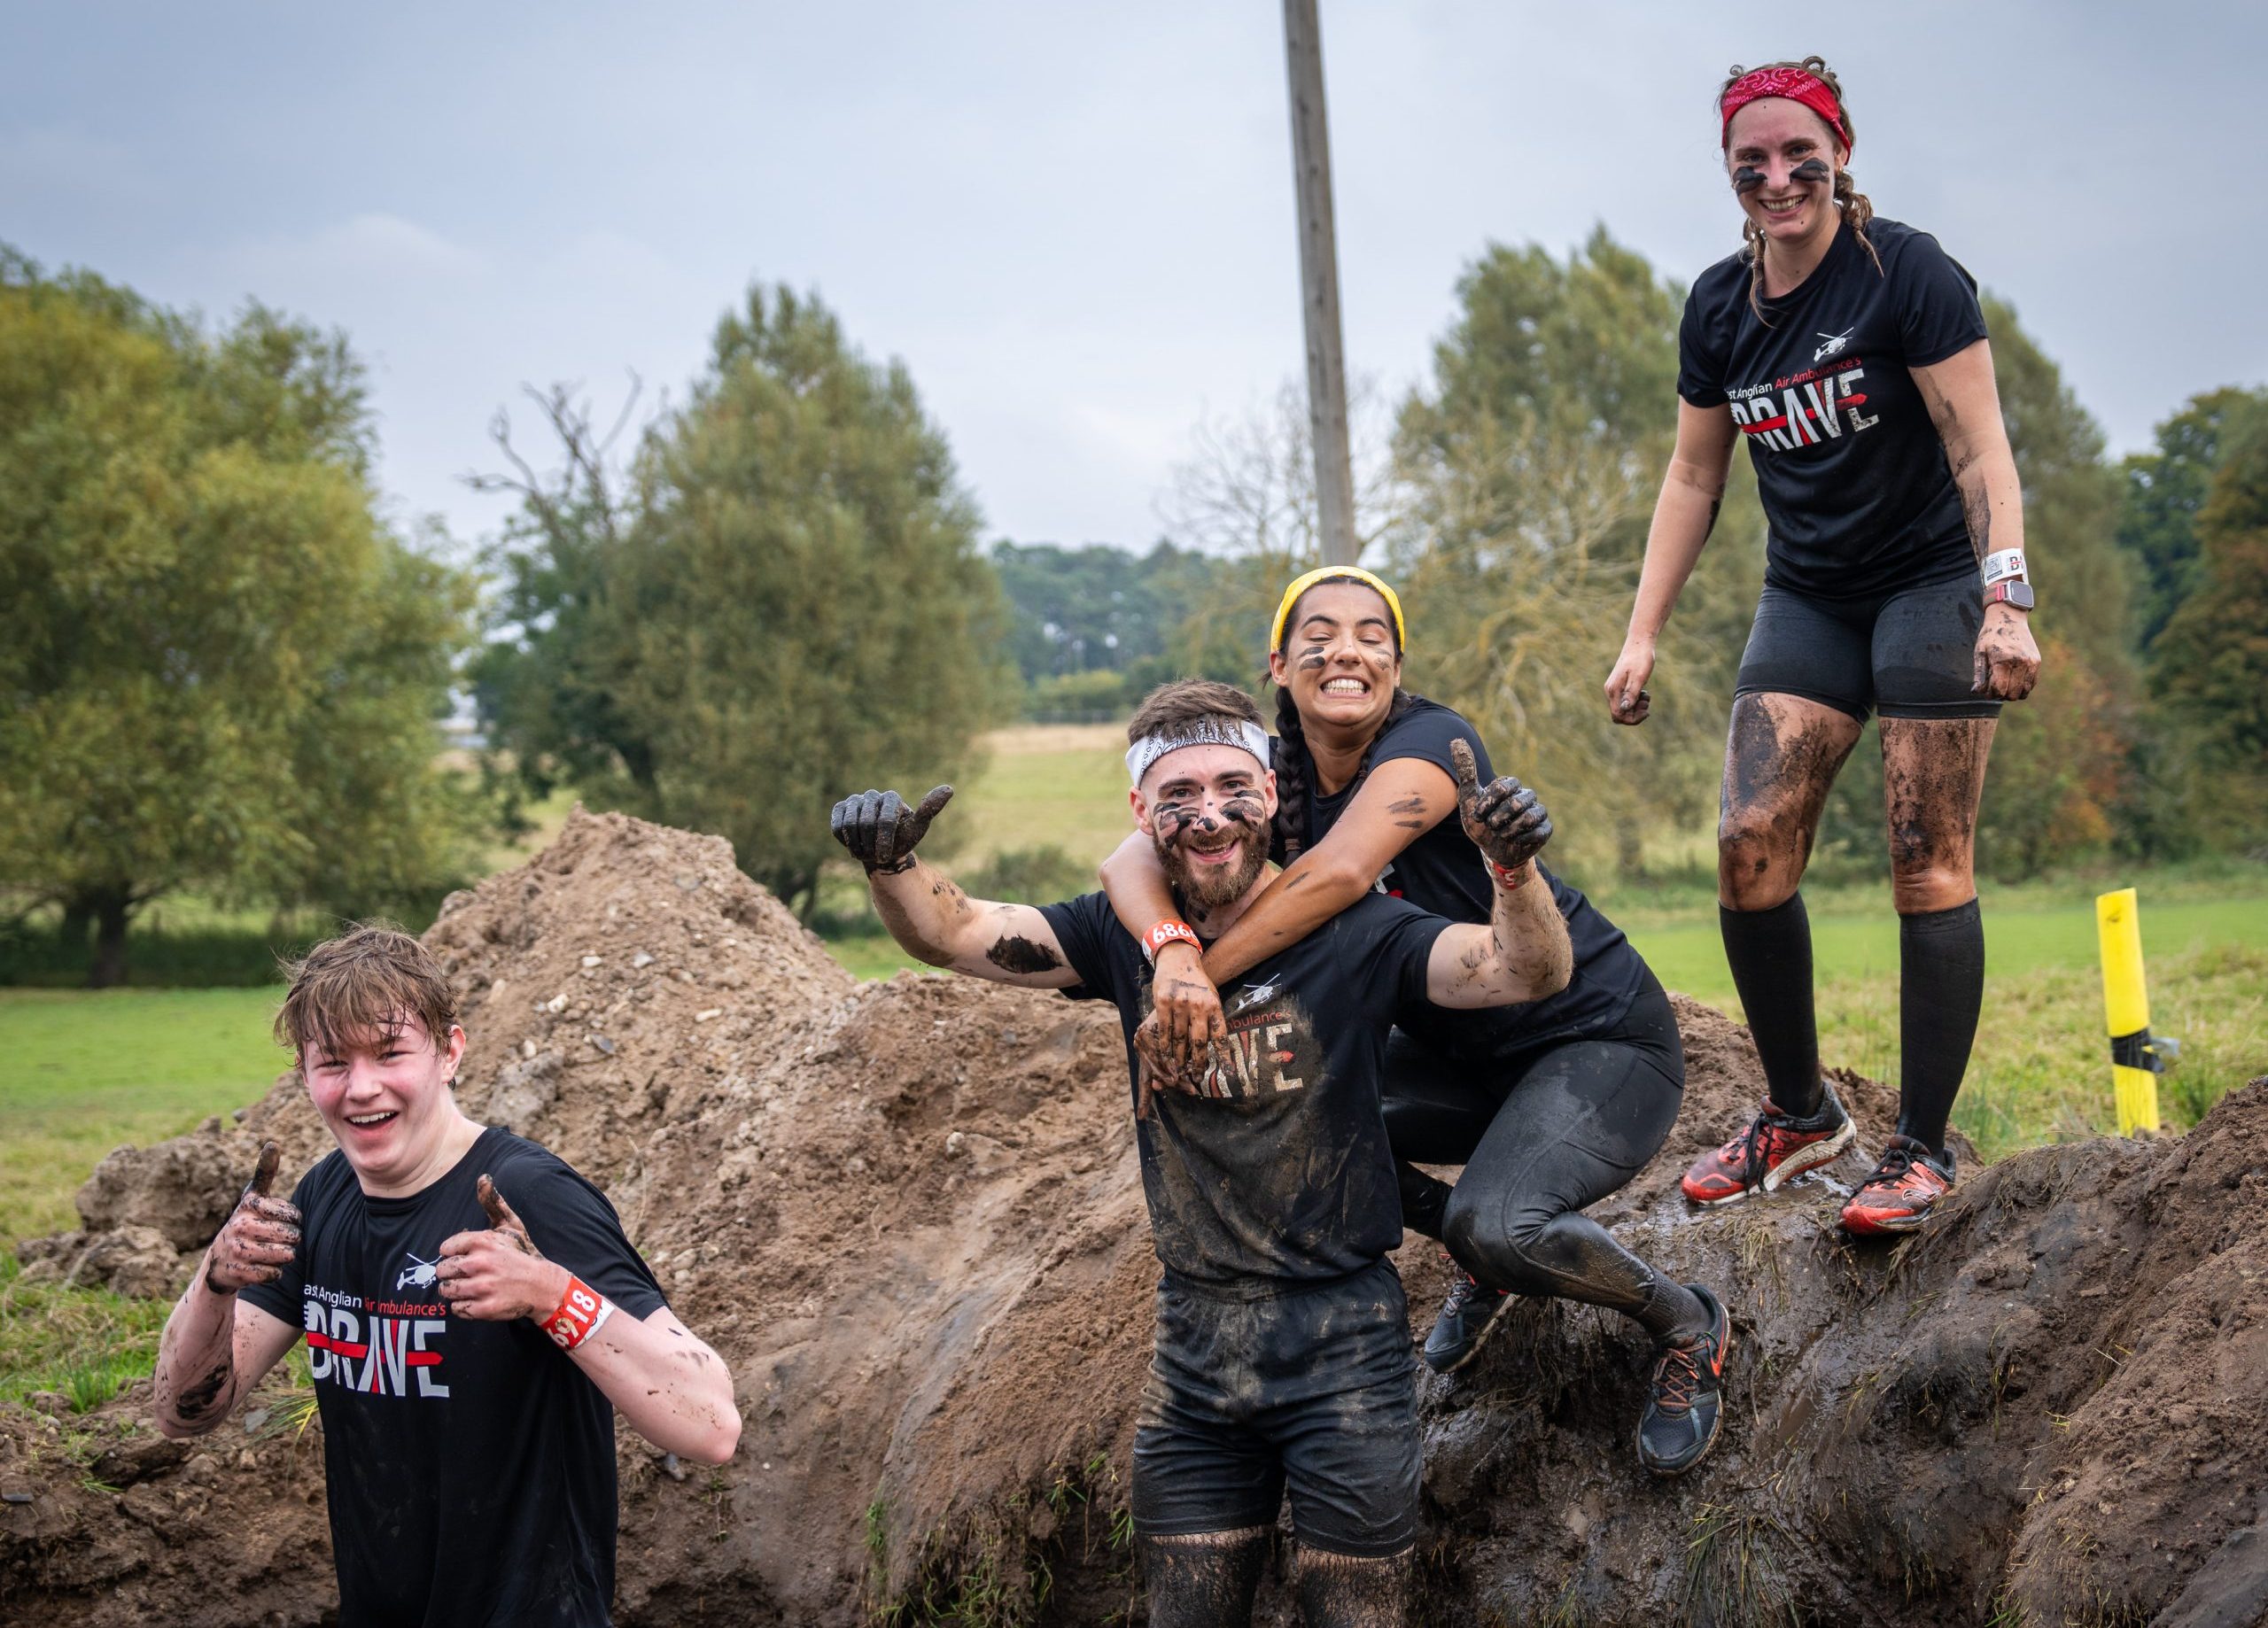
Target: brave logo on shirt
[1271, 1046]
[377, 1348]
[1806, 409]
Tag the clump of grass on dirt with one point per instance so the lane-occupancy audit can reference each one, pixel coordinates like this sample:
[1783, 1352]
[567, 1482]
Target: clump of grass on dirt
[87, 1344]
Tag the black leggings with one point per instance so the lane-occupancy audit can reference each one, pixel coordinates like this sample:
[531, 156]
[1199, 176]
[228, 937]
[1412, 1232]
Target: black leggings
[1540, 1135]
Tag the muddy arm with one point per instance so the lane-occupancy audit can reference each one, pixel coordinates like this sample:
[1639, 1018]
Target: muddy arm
[1964, 402]
[674, 1391]
[214, 1349]
[1522, 953]
[928, 913]
[1693, 489]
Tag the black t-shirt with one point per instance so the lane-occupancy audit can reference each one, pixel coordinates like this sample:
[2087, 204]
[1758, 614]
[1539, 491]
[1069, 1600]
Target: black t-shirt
[1279, 1176]
[470, 1464]
[1443, 872]
[1852, 471]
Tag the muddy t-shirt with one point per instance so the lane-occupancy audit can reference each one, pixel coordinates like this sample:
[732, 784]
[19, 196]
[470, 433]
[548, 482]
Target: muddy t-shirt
[1279, 1174]
[1852, 471]
[470, 1464]
[1443, 872]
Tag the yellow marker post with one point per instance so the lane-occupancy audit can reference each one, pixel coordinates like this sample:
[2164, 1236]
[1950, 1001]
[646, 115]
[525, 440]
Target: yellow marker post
[2134, 1062]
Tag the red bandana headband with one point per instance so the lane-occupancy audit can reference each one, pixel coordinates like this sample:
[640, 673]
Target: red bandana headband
[1792, 83]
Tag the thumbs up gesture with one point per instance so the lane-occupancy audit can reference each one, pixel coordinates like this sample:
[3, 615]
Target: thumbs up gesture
[260, 1236]
[881, 830]
[1506, 820]
[498, 1274]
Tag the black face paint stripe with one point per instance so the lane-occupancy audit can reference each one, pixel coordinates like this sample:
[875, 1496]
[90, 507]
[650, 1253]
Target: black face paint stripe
[1747, 179]
[1810, 170]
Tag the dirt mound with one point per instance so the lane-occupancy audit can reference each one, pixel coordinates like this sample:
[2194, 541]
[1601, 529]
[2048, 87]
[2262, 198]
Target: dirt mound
[909, 1214]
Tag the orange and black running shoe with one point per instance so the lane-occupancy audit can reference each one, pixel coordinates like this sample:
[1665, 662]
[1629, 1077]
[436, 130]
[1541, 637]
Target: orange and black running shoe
[1685, 1396]
[1898, 1196]
[1774, 1148]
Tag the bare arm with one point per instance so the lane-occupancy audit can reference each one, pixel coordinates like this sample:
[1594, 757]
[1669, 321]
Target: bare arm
[1522, 952]
[215, 1348]
[1964, 402]
[926, 911]
[674, 1391]
[1402, 800]
[1684, 514]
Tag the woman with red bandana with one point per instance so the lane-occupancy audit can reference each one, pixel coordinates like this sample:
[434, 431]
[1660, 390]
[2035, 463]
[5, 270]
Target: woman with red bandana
[1850, 353]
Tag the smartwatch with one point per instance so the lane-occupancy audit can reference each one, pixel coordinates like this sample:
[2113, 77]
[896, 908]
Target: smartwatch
[2010, 593]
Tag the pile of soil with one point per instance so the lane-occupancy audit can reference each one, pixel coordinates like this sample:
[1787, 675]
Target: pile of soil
[909, 1215]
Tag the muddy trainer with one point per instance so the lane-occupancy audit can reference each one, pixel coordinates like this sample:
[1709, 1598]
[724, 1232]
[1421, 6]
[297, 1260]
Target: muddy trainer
[473, 1313]
[1282, 1358]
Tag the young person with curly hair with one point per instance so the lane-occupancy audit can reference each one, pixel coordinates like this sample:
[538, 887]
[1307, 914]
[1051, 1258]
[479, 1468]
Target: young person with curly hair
[1850, 353]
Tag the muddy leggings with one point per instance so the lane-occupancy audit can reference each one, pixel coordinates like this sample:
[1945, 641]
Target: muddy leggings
[1540, 1135]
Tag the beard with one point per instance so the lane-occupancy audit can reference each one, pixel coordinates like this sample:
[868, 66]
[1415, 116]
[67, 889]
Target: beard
[1213, 885]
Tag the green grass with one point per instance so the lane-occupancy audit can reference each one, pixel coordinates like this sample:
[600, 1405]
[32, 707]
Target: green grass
[86, 1071]
[87, 1344]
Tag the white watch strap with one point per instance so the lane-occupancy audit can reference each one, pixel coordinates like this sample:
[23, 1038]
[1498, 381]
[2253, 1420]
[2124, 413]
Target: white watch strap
[2005, 565]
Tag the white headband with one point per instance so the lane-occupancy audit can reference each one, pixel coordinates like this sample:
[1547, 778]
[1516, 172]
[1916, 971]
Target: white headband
[1200, 731]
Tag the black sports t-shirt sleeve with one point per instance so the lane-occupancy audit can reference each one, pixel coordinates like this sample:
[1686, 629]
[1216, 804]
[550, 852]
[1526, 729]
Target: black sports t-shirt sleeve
[572, 1222]
[1391, 951]
[1085, 927]
[1424, 732]
[1700, 355]
[1937, 312]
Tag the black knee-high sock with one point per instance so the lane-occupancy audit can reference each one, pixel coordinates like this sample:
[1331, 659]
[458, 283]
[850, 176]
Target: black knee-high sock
[1941, 985]
[1424, 1198]
[1770, 952]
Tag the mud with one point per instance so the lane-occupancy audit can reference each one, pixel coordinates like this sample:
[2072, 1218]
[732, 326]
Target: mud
[1778, 772]
[908, 1214]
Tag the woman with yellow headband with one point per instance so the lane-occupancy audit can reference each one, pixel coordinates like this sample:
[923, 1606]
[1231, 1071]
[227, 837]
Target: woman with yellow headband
[1549, 1106]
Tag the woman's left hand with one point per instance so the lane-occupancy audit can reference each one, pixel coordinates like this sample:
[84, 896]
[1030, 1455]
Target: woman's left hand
[2007, 661]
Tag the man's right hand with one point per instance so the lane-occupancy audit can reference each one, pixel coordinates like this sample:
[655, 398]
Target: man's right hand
[261, 1236]
[881, 831]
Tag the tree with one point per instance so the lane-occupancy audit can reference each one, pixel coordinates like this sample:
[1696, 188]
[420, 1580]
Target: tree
[222, 671]
[2210, 665]
[1531, 465]
[787, 604]
[2164, 489]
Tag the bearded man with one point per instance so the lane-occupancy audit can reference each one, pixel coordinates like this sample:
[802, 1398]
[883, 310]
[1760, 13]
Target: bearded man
[1282, 1358]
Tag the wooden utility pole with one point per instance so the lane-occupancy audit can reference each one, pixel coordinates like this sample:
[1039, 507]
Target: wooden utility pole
[1335, 477]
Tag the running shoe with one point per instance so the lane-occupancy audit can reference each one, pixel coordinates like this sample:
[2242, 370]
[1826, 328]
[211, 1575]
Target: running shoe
[1466, 1317]
[1685, 1395]
[1898, 1196]
[1774, 1148]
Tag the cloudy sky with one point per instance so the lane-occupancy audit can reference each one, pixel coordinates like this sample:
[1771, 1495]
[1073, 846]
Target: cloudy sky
[1075, 222]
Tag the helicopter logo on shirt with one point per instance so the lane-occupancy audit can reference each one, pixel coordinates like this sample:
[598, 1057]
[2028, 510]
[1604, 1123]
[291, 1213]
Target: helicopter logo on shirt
[422, 1274]
[1834, 344]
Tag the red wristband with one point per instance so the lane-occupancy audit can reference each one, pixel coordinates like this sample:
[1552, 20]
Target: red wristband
[1166, 932]
[1508, 878]
[580, 1312]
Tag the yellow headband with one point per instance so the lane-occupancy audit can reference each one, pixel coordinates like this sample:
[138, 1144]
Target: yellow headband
[1336, 573]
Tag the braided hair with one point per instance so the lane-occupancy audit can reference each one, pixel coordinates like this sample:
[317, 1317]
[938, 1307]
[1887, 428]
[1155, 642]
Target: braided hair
[1295, 765]
[1857, 211]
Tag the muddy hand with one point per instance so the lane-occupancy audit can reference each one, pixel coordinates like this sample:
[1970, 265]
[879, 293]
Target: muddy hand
[498, 1274]
[1185, 1010]
[2008, 658]
[1506, 819]
[881, 831]
[260, 1237]
[1628, 698]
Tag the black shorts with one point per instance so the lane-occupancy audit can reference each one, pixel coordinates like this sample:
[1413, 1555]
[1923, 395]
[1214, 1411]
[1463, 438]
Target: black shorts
[1314, 1390]
[1908, 654]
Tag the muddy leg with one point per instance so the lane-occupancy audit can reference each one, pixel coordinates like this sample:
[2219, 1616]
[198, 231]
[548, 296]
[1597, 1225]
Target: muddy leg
[1780, 757]
[1350, 1591]
[1204, 1579]
[1933, 778]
